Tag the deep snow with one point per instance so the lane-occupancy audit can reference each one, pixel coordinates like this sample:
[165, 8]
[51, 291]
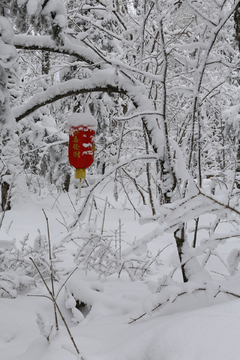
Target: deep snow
[193, 326]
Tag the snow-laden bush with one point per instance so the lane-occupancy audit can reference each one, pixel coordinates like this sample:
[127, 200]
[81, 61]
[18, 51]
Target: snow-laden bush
[17, 272]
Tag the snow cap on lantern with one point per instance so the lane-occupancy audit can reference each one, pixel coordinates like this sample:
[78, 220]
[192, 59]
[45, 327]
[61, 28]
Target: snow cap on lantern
[82, 127]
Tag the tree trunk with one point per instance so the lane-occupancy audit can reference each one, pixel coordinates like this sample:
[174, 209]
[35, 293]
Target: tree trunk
[66, 182]
[179, 236]
[5, 196]
[45, 62]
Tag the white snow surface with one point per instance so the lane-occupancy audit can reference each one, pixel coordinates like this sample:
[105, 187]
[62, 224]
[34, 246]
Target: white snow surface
[6, 30]
[8, 54]
[195, 325]
[85, 119]
[32, 6]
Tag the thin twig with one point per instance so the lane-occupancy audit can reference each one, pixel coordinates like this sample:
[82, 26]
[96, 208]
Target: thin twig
[45, 296]
[61, 223]
[6, 291]
[71, 201]
[65, 282]
[62, 215]
[129, 199]
[104, 214]
[51, 269]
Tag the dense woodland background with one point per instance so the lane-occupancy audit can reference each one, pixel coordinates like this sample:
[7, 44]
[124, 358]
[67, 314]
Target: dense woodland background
[162, 80]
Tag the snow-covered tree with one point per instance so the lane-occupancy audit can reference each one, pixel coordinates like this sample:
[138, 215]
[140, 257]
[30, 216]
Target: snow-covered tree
[165, 70]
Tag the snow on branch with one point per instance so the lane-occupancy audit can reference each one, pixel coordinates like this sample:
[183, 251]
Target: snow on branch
[46, 43]
[194, 10]
[196, 204]
[82, 51]
[101, 81]
[95, 24]
[97, 83]
[138, 114]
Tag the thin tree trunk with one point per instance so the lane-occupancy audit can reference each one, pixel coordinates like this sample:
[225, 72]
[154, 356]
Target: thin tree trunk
[45, 62]
[167, 166]
[148, 173]
[180, 242]
[5, 196]
[66, 182]
[199, 175]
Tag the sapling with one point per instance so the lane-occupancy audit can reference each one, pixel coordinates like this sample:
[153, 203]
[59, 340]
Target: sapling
[129, 199]
[56, 307]
[45, 327]
[120, 239]
[91, 208]
[51, 269]
[118, 157]
[104, 214]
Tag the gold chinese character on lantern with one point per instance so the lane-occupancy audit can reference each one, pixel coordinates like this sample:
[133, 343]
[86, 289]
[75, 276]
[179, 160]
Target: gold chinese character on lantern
[75, 146]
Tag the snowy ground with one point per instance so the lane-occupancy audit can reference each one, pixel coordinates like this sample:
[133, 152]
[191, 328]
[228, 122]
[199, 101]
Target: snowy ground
[192, 326]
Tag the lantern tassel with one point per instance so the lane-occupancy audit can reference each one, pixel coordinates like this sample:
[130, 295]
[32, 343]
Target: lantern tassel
[80, 174]
[80, 188]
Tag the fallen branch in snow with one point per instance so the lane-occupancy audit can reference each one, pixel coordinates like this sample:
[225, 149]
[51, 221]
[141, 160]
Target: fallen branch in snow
[180, 294]
[229, 293]
[160, 304]
[1, 287]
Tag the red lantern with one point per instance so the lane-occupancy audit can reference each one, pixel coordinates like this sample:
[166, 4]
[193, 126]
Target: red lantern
[81, 142]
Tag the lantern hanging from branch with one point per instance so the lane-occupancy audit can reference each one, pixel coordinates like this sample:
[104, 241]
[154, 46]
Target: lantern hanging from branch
[82, 129]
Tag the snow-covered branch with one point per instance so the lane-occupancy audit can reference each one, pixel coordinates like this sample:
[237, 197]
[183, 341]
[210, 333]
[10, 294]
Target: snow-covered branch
[101, 81]
[46, 43]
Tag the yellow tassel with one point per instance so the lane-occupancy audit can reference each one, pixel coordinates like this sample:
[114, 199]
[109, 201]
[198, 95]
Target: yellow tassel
[80, 174]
